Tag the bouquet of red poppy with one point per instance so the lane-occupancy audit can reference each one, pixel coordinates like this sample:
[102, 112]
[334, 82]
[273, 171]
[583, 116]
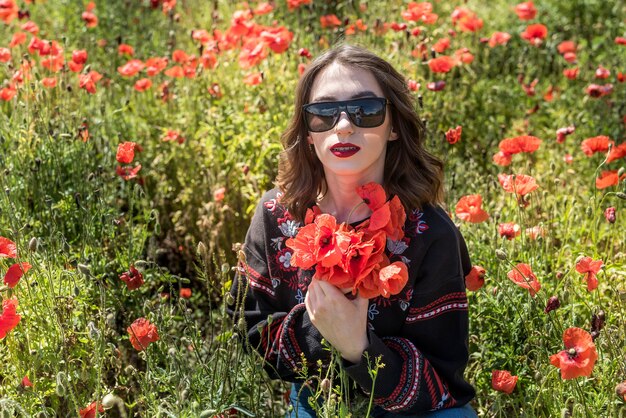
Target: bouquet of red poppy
[354, 257]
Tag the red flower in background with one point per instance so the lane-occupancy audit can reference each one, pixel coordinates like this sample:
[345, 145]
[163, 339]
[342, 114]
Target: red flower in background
[535, 232]
[5, 55]
[185, 292]
[589, 267]
[263, 9]
[125, 49]
[579, 356]
[15, 273]
[143, 84]
[8, 10]
[133, 278]
[602, 72]
[475, 279]
[509, 230]
[617, 152]
[596, 91]
[17, 39]
[519, 144]
[253, 79]
[9, 318]
[128, 173]
[502, 158]
[49, 82]
[126, 152]
[330, 21]
[131, 68]
[503, 381]
[441, 45]
[155, 65]
[520, 184]
[8, 249]
[90, 410]
[173, 136]
[453, 135]
[499, 38]
[535, 34]
[420, 12]
[436, 85]
[252, 53]
[566, 46]
[88, 81]
[441, 64]
[523, 276]
[26, 383]
[571, 73]
[526, 11]
[294, 4]
[90, 19]
[142, 332]
[608, 178]
[596, 144]
[469, 209]
[561, 133]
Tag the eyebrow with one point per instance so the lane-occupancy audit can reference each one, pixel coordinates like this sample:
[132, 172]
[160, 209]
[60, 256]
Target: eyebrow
[359, 95]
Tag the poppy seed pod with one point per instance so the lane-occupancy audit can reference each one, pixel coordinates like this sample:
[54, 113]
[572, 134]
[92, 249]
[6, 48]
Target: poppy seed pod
[621, 195]
[84, 269]
[33, 245]
[501, 254]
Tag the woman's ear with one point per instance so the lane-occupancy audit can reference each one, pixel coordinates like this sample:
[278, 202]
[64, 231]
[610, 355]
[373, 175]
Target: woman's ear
[309, 139]
[393, 135]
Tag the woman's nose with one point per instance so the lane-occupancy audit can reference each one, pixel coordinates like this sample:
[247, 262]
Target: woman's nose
[344, 125]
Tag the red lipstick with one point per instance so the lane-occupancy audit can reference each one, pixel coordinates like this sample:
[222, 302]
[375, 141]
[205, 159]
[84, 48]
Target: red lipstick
[346, 150]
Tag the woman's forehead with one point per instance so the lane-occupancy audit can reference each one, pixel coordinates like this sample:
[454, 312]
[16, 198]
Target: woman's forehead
[341, 82]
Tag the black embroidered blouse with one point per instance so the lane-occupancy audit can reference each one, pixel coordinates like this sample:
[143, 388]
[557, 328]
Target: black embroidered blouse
[420, 333]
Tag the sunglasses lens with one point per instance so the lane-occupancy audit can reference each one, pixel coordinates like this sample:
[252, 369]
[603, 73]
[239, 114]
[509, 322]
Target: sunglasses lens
[364, 113]
[367, 113]
[321, 116]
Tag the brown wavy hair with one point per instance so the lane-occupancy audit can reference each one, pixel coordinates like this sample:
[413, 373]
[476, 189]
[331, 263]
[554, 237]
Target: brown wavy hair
[411, 172]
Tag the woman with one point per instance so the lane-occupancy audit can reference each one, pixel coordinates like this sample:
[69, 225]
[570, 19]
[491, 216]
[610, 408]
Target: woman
[355, 123]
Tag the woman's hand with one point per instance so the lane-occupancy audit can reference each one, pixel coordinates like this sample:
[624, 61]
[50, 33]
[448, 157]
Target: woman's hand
[341, 321]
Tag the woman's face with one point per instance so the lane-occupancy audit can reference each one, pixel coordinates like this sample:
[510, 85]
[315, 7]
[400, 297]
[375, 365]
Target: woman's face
[346, 149]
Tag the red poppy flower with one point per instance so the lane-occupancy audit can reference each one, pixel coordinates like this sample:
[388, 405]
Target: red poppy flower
[142, 333]
[419, 12]
[436, 85]
[133, 278]
[90, 19]
[535, 34]
[253, 79]
[470, 24]
[5, 54]
[596, 144]
[219, 194]
[18, 38]
[571, 73]
[155, 65]
[303, 246]
[128, 173]
[499, 38]
[609, 214]
[8, 249]
[561, 133]
[126, 152]
[579, 356]
[596, 91]
[8, 93]
[589, 267]
[469, 209]
[441, 45]
[523, 276]
[524, 143]
[49, 82]
[608, 178]
[90, 410]
[475, 279]
[502, 158]
[131, 68]
[519, 184]
[330, 21]
[526, 10]
[263, 8]
[566, 46]
[125, 49]
[252, 53]
[373, 195]
[185, 292]
[509, 230]
[8, 10]
[464, 55]
[26, 383]
[602, 72]
[535, 232]
[620, 40]
[392, 279]
[617, 152]
[9, 318]
[503, 380]
[173, 136]
[143, 84]
[88, 81]
[441, 64]
[453, 135]
[15, 273]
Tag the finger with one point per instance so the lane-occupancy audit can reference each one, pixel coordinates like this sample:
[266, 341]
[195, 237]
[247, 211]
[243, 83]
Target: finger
[320, 286]
[329, 289]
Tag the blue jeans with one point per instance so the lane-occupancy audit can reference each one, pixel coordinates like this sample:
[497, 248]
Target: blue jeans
[302, 409]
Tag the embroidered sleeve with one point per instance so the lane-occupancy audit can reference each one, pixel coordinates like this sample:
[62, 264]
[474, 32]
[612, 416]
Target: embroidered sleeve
[424, 364]
[282, 334]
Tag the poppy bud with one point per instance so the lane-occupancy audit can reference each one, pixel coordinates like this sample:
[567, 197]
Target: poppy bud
[620, 172]
[609, 215]
[501, 254]
[588, 211]
[33, 244]
[553, 303]
[621, 195]
[620, 389]
[110, 400]
[241, 325]
[60, 390]
[229, 299]
[325, 385]
[559, 275]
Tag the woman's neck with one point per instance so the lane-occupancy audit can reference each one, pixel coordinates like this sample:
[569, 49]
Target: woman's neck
[342, 201]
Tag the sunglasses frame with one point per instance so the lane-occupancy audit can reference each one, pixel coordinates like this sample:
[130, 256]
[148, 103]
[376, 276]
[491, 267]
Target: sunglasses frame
[342, 106]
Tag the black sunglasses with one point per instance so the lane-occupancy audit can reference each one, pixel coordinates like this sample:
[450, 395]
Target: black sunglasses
[368, 112]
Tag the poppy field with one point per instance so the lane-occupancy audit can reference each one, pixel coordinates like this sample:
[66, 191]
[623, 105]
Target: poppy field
[137, 136]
